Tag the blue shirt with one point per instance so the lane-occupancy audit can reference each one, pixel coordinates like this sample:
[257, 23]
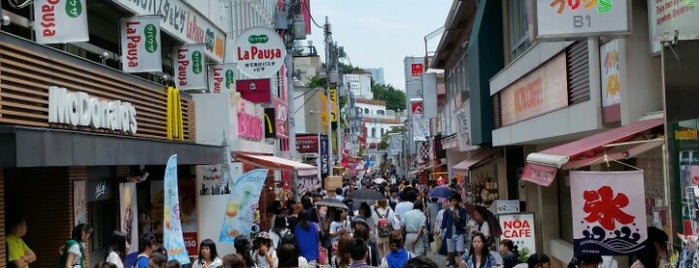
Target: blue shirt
[307, 241]
[470, 261]
[449, 223]
[142, 261]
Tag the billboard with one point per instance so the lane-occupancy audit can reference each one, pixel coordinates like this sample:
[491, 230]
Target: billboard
[561, 19]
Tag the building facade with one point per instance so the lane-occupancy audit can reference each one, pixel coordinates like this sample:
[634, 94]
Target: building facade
[377, 75]
[359, 85]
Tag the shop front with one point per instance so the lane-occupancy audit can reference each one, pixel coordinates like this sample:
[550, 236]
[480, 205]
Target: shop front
[72, 132]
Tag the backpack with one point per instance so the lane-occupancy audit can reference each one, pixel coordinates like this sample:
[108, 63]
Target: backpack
[64, 257]
[384, 226]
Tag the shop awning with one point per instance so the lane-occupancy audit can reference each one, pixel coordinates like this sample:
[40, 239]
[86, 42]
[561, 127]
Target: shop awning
[542, 166]
[273, 162]
[476, 157]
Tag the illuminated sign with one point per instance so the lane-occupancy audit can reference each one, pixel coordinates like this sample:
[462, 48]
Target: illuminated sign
[79, 109]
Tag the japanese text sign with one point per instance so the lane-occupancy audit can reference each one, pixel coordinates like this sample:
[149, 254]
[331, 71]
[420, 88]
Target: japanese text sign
[190, 67]
[562, 19]
[140, 44]
[221, 77]
[60, 22]
[609, 65]
[520, 229]
[416, 69]
[281, 114]
[668, 16]
[609, 212]
[260, 52]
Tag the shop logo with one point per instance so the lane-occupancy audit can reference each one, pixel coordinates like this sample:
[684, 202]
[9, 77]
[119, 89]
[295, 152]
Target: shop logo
[151, 34]
[229, 78]
[258, 39]
[74, 8]
[100, 190]
[197, 65]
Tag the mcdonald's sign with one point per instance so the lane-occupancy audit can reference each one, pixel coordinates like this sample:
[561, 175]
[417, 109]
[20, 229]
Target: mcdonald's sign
[270, 124]
[175, 128]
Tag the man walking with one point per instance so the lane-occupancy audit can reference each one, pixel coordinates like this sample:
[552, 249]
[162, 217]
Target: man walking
[414, 222]
[454, 223]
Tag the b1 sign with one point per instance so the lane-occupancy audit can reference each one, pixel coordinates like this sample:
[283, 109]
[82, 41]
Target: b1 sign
[563, 19]
[259, 52]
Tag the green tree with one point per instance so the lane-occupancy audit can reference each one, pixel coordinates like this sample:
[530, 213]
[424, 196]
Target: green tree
[349, 69]
[383, 145]
[394, 98]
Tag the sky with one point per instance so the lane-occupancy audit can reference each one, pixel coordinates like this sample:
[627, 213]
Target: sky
[380, 33]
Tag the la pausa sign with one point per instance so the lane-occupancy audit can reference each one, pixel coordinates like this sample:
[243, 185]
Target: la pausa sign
[80, 109]
[260, 52]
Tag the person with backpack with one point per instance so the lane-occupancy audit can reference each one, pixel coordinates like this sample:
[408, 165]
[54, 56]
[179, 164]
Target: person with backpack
[279, 231]
[384, 224]
[398, 256]
[73, 252]
[146, 247]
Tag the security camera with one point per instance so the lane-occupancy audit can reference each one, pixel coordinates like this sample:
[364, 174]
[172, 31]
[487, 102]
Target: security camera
[5, 20]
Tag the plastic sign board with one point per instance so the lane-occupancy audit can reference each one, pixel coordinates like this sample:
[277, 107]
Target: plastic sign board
[140, 44]
[259, 52]
[566, 19]
[79, 109]
[520, 229]
[60, 22]
[190, 67]
[221, 77]
[667, 16]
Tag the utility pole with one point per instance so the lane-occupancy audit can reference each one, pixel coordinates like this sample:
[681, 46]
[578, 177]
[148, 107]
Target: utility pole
[338, 89]
[328, 43]
[291, 128]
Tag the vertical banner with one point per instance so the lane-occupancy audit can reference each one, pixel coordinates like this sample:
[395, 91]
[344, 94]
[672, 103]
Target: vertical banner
[420, 123]
[611, 85]
[172, 226]
[334, 105]
[609, 212]
[222, 78]
[79, 202]
[520, 229]
[140, 44]
[323, 111]
[190, 69]
[242, 203]
[60, 22]
[324, 158]
[128, 212]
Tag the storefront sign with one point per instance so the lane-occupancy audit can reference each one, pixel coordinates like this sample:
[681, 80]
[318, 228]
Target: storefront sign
[539, 92]
[563, 19]
[140, 44]
[190, 67]
[183, 22]
[260, 52]
[249, 121]
[539, 174]
[668, 16]
[79, 109]
[334, 105]
[128, 212]
[255, 90]
[281, 111]
[609, 212]
[520, 229]
[242, 202]
[307, 144]
[686, 134]
[221, 77]
[98, 189]
[324, 161]
[60, 21]
[416, 69]
[270, 123]
[611, 87]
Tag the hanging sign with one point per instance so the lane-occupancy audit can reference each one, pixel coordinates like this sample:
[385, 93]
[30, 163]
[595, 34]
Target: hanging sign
[520, 229]
[334, 105]
[60, 21]
[255, 90]
[609, 212]
[668, 16]
[190, 69]
[221, 77]
[183, 22]
[260, 52]
[281, 112]
[140, 44]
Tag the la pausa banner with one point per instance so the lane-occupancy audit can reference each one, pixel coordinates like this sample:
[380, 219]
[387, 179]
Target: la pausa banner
[609, 212]
[260, 52]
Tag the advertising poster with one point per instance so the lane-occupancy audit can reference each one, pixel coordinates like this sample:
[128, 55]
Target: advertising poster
[240, 210]
[60, 22]
[609, 212]
[209, 225]
[190, 67]
[79, 203]
[520, 229]
[211, 181]
[140, 44]
[611, 85]
[128, 212]
[172, 227]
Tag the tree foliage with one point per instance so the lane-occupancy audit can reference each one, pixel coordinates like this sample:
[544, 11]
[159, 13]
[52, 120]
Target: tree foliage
[394, 98]
[383, 145]
[349, 69]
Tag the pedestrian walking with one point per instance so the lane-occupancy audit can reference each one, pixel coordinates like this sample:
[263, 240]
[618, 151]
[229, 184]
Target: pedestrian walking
[453, 226]
[539, 260]
[73, 252]
[361, 230]
[243, 248]
[234, 261]
[265, 255]
[478, 255]
[208, 255]
[588, 260]
[117, 249]
[414, 224]
[509, 253]
[157, 260]
[654, 249]
[359, 252]
[307, 239]
[398, 256]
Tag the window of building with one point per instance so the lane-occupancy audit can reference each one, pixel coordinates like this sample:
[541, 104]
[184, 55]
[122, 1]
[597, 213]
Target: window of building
[380, 112]
[366, 110]
[518, 28]
[382, 131]
[373, 132]
[359, 110]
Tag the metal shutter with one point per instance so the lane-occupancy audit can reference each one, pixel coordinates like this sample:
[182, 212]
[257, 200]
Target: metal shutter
[578, 72]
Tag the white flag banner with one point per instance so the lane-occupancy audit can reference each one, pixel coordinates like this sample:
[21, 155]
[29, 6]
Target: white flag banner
[420, 130]
[609, 212]
[222, 77]
[140, 44]
[60, 21]
[190, 69]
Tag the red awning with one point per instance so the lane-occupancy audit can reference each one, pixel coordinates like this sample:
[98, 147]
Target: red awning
[476, 157]
[278, 163]
[542, 166]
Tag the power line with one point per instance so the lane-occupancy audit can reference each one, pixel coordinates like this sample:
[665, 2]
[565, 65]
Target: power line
[308, 8]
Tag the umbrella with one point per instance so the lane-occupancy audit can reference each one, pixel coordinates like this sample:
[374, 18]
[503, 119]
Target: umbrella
[493, 223]
[332, 202]
[366, 194]
[380, 181]
[441, 192]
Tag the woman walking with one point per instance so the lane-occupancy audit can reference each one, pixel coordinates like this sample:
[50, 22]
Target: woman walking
[208, 255]
[74, 250]
[478, 256]
[117, 249]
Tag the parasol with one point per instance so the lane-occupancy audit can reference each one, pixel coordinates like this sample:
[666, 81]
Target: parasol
[493, 223]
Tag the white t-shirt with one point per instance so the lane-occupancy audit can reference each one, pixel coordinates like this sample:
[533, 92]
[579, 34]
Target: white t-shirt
[403, 207]
[75, 250]
[114, 258]
[262, 260]
[335, 227]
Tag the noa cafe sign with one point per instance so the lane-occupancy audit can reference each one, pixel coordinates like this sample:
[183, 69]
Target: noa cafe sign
[80, 109]
[259, 52]
[520, 229]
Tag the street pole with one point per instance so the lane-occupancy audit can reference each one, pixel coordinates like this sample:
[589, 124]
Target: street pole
[328, 33]
[338, 88]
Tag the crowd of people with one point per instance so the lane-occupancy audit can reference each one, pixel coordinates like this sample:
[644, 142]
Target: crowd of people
[392, 232]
